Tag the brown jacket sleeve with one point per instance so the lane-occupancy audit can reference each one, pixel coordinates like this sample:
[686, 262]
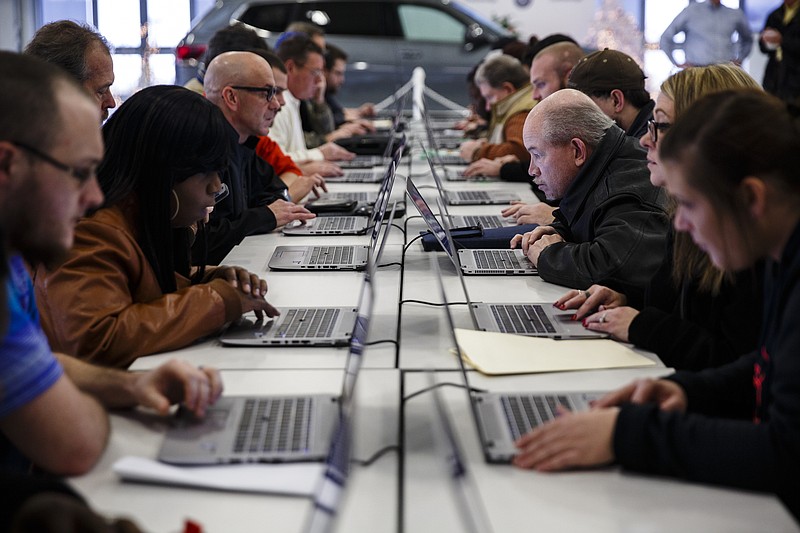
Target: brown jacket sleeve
[104, 303]
[513, 144]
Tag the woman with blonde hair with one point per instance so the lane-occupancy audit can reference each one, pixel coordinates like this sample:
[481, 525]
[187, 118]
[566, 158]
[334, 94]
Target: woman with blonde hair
[693, 315]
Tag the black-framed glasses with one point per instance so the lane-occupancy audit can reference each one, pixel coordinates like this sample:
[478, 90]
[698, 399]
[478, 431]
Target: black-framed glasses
[81, 174]
[654, 127]
[268, 92]
[221, 194]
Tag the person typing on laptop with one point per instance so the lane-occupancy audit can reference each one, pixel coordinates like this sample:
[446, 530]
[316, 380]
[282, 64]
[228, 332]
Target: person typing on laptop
[693, 315]
[611, 224]
[52, 406]
[730, 161]
[127, 287]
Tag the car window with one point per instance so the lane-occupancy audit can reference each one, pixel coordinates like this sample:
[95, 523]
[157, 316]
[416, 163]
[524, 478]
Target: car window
[346, 18]
[422, 23]
[272, 17]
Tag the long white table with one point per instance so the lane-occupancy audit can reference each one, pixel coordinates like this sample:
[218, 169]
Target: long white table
[409, 491]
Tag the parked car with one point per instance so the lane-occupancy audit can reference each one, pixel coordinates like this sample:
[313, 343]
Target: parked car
[385, 40]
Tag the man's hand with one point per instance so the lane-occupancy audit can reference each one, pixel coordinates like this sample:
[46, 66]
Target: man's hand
[468, 149]
[313, 183]
[176, 381]
[539, 213]
[483, 167]
[533, 242]
[668, 395]
[286, 212]
[334, 152]
[323, 168]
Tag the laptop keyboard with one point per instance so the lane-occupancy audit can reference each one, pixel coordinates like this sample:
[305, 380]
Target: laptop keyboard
[357, 196]
[525, 412]
[362, 162]
[485, 221]
[497, 260]
[300, 323]
[522, 318]
[357, 175]
[335, 223]
[274, 425]
[470, 196]
[331, 255]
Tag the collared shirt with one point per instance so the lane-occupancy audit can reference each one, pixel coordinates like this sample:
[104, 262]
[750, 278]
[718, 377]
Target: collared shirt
[709, 33]
[287, 131]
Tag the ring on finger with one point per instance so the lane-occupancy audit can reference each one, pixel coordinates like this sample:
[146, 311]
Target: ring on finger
[586, 294]
[602, 318]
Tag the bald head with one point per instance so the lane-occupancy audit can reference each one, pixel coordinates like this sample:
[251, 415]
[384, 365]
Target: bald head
[561, 133]
[236, 68]
[241, 84]
[565, 115]
[551, 67]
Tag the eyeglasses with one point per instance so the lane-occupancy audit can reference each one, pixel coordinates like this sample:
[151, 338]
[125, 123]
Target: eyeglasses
[654, 127]
[268, 92]
[81, 174]
[221, 194]
[315, 72]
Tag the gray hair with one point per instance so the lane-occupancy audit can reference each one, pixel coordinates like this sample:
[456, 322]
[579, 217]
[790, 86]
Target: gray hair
[582, 119]
[501, 69]
[65, 43]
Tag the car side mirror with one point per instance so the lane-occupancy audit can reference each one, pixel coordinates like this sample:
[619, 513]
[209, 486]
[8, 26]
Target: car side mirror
[474, 37]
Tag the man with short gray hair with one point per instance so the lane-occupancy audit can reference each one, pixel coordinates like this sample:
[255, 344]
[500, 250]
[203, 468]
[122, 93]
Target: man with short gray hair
[503, 83]
[82, 52]
[611, 225]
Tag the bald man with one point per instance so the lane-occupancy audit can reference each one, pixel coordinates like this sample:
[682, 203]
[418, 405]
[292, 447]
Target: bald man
[550, 68]
[242, 85]
[611, 224]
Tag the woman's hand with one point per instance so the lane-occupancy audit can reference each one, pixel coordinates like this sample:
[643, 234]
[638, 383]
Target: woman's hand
[668, 395]
[592, 298]
[616, 322]
[571, 440]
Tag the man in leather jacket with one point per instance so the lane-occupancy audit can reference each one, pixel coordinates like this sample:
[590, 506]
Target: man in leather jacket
[611, 224]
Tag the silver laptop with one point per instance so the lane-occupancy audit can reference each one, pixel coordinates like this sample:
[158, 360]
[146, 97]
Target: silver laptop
[532, 319]
[472, 261]
[350, 224]
[470, 507]
[452, 164]
[502, 418]
[363, 161]
[358, 175]
[240, 429]
[358, 196]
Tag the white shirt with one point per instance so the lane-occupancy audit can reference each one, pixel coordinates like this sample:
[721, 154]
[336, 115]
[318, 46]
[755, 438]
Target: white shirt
[287, 131]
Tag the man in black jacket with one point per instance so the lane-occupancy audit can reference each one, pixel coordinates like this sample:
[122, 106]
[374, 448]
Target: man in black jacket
[242, 85]
[611, 224]
[780, 40]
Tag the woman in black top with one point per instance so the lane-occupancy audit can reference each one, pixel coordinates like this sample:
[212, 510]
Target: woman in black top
[731, 163]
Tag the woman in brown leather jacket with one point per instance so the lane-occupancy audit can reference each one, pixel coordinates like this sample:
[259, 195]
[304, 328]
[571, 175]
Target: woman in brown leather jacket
[127, 288]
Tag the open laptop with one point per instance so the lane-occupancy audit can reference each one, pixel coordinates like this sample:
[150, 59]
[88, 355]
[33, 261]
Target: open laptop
[333, 257]
[502, 418]
[240, 429]
[470, 507]
[532, 319]
[484, 221]
[472, 261]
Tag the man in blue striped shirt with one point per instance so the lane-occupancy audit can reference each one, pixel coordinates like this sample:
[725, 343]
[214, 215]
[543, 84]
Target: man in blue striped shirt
[714, 34]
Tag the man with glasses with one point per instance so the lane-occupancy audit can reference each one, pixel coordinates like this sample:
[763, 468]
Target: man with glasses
[304, 65]
[611, 224]
[243, 86]
[52, 406]
[83, 53]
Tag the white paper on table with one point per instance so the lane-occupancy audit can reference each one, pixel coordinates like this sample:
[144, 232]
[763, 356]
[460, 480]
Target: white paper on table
[297, 479]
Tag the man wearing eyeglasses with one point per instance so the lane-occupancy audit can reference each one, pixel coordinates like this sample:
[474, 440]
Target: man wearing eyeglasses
[304, 65]
[611, 224]
[243, 86]
[52, 406]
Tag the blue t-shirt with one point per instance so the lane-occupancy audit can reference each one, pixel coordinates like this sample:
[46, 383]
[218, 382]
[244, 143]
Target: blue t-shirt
[27, 365]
